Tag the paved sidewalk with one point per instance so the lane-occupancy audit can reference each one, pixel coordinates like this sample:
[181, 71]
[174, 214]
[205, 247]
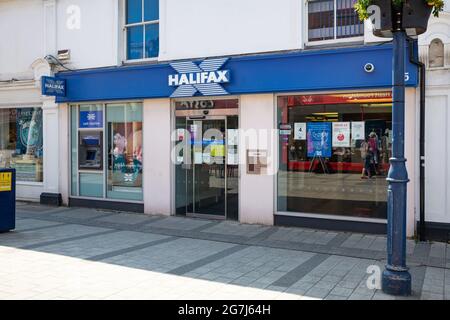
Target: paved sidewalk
[77, 253]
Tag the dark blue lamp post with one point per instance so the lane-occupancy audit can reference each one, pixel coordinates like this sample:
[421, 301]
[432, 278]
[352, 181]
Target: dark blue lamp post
[396, 279]
[398, 19]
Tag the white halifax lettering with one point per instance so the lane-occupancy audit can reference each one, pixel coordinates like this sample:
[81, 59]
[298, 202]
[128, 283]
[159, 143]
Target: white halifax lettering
[221, 76]
[54, 86]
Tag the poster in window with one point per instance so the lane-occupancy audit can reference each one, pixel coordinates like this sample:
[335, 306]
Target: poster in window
[300, 131]
[358, 130]
[341, 134]
[29, 131]
[127, 154]
[318, 136]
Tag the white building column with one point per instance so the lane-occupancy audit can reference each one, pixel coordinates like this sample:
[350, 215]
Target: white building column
[51, 144]
[157, 157]
[412, 136]
[257, 191]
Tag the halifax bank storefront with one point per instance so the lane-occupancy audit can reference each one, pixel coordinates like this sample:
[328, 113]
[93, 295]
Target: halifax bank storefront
[299, 138]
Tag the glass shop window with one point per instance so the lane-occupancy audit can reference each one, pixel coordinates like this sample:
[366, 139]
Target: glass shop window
[106, 151]
[334, 153]
[21, 142]
[124, 125]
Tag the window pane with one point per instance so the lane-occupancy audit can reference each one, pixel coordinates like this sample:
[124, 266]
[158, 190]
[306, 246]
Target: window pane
[151, 10]
[74, 147]
[134, 11]
[334, 155]
[320, 20]
[135, 43]
[91, 185]
[125, 154]
[21, 142]
[152, 40]
[347, 21]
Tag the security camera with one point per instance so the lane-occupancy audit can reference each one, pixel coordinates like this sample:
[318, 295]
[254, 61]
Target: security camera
[369, 67]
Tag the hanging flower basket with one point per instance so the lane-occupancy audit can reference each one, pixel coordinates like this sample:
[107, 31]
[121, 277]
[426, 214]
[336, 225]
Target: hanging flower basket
[384, 14]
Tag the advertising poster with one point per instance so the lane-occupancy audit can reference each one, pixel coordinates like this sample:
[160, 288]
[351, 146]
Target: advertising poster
[300, 131]
[29, 131]
[127, 154]
[358, 130]
[232, 137]
[341, 134]
[319, 139]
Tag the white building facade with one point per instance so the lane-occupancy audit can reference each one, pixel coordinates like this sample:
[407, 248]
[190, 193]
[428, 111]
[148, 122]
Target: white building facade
[256, 111]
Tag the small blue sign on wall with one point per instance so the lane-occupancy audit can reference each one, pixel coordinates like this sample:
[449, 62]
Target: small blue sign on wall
[52, 86]
[318, 137]
[91, 120]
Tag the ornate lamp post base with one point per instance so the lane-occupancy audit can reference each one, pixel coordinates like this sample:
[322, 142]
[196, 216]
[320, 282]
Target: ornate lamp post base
[396, 281]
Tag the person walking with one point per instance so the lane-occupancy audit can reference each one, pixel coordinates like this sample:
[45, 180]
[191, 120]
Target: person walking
[373, 147]
[367, 156]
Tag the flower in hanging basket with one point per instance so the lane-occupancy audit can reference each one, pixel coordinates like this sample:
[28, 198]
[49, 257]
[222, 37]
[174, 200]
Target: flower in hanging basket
[362, 5]
[438, 6]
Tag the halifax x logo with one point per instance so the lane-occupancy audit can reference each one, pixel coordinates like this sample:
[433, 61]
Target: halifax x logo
[190, 68]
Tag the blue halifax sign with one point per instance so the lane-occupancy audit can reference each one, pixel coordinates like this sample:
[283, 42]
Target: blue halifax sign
[53, 87]
[309, 70]
[91, 119]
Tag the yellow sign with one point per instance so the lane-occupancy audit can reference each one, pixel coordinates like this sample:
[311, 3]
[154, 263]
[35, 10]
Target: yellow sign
[5, 181]
[217, 150]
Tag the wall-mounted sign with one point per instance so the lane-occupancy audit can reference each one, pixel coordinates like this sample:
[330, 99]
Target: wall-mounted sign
[205, 78]
[341, 98]
[257, 162]
[53, 87]
[91, 119]
[341, 134]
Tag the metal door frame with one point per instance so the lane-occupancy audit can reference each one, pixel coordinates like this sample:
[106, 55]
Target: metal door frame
[204, 215]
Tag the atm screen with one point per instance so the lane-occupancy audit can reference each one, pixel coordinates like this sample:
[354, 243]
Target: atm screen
[90, 150]
[90, 155]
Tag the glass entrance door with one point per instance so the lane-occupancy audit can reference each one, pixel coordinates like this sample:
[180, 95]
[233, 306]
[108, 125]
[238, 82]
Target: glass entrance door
[206, 169]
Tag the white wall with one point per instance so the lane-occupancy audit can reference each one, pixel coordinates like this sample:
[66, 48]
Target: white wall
[257, 192]
[94, 43]
[31, 29]
[437, 119]
[205, 28]
[21, 37]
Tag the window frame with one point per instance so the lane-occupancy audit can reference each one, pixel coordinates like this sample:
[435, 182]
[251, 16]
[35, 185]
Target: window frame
[335, 40]
[136, 24]
[277, 163]
[104, 170]
[29, 106]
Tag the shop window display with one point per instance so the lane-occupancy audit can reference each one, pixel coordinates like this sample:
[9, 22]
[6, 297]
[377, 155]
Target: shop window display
[21, 142]
[107, 151]
[334, 154]
[125, 151]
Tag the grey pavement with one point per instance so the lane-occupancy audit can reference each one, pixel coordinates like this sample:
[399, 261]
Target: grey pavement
[78, 253]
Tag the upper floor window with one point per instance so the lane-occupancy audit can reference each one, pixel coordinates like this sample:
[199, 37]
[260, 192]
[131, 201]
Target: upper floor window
[142, 29]
[333, 19]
